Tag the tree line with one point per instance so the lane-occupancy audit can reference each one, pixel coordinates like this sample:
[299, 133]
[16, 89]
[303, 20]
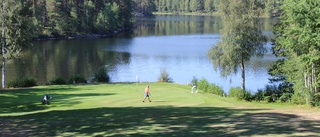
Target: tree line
[267, 8]
[71, 17]
[23, 20]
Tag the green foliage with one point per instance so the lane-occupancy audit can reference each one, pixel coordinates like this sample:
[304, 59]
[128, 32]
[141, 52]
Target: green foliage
[285, 97]
[58, 81]
[259, 95]
[275, 93]
[239, 94]
[102, 75]
[235, 92]
[145, 7]
[16, 31]
[317, 99]
[240, 41]
[74, 79]
[56, 18]
[164, 76]
[22, 82]
[266, 8]
[214, 89]
[203, 84]
[297, 36]
[298, 99]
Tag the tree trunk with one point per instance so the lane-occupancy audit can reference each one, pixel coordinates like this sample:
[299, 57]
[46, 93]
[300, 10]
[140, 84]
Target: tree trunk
[3, 48]
[45, 14]
[33, 7]
[243, 82]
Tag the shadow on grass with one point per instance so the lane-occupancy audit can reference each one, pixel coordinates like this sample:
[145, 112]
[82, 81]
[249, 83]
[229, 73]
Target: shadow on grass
[158, 121]
[29, 100]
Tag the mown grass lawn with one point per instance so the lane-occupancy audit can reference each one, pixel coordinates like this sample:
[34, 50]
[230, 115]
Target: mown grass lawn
[118, 110]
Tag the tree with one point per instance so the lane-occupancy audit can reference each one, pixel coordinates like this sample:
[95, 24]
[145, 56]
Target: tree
[196, 5]
[241, 38]
[15, 30]
[187, 6]
[208, 5]
[297, 39]
[145, 6]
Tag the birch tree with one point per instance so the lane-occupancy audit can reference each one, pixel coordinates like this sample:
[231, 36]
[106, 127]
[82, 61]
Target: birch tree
[241, 38]
[15, 30]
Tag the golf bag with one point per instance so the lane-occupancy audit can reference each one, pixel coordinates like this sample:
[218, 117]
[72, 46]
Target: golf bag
[45, 100]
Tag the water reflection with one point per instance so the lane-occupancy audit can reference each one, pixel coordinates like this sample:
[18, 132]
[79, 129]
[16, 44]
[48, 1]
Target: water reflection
[177, 43]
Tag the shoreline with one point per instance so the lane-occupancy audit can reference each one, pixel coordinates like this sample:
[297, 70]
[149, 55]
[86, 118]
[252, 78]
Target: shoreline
[83, 36]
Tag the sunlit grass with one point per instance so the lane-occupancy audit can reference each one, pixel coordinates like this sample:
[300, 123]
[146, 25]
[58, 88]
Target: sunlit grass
[118, 110]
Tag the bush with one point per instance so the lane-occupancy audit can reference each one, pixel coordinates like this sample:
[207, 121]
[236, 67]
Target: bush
[239, 94]
[259, 96]
[267, 99]
[203, 85]
[214, 89]
[22, 82]
[58, 81]
[164, 76]
[235, 92]
[317, 99]
[102, 76]
[285, 97]
[298, 99]
[77, 79]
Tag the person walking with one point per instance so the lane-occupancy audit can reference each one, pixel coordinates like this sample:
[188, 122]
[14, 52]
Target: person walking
[147, 94]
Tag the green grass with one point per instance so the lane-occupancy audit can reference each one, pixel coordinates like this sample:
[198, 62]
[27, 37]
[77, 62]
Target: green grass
[118, 110]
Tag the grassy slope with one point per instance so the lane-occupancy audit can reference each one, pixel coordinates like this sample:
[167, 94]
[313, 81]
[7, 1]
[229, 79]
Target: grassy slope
[118, 110]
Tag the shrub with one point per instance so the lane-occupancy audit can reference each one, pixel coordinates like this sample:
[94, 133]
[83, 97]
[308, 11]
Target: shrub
[235, 92]
[298, 99]
[285, 97]
[164, 76]
[214, 89]
[77, 79]
[22, 82]
[317, 99]
[259, 96]
[267, 99]
[203, 85]
[239, 94]
[270, 90]
[58, 81]
[102, 75]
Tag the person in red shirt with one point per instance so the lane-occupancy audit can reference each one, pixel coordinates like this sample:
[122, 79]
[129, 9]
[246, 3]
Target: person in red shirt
[147, 94]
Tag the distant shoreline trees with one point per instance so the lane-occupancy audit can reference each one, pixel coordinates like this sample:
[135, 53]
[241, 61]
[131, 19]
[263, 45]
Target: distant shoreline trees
[76, 18]
[265, 8]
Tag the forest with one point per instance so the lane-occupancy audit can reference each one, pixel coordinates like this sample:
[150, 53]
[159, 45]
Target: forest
[79, 18]
[264, 8]
[54, 18]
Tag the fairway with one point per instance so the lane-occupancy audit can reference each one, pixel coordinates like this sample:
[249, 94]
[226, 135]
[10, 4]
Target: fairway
[118, 110]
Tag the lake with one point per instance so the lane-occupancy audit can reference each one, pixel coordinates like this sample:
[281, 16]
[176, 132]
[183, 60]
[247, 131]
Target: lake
[178, 44]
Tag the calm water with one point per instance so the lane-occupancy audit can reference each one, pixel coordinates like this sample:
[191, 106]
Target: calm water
[178, 44]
